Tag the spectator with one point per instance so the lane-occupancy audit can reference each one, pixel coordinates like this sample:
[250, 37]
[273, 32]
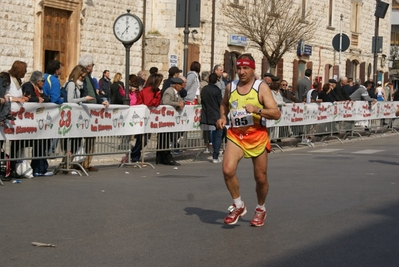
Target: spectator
[312, 95]
[52, 86]
[361, 94]
[341, 88]
[117, 89]
[275, 89]
[333, 93]
[151, 97]
[33, 91]
[14, 94]
[226, 78]
[304, 85]
[174, 72]
[218, 70]
[105, 86]
[5, 113]
[73, 86]
[388, 91]
[287, 94]
[211, 98]
[379, 92]
[206, 133]
[86, 60]
[267, 78]
[142, 76]
[170, 97]
[350, 87]
[153, 70]
[193, 84]
[355, 86]
[325, 95]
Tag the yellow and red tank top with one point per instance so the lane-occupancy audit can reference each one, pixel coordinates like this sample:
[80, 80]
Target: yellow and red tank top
[240, 120]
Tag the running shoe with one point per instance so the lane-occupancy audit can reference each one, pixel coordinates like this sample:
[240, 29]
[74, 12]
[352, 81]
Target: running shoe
[234, 214]
[259, 217]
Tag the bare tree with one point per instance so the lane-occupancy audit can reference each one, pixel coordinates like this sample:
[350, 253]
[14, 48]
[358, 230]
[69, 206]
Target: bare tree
[273, 26]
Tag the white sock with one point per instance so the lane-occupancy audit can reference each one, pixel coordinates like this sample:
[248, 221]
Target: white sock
[238, 202]
[261, 207]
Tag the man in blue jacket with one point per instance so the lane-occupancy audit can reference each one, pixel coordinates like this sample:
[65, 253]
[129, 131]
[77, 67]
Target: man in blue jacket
[52, 86]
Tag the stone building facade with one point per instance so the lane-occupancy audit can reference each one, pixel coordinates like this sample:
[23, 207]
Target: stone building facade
[36, 31]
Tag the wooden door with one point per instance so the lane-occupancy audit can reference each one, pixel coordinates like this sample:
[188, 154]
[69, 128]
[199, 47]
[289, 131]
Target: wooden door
[193, 55]
[55, 38]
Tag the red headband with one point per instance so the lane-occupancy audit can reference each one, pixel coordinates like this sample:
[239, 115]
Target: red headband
[246, 62]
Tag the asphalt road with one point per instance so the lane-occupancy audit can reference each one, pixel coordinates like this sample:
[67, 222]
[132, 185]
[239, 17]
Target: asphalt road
[331, 205]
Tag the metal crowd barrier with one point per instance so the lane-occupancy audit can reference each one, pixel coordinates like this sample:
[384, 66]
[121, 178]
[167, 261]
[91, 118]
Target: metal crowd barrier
[18, 150]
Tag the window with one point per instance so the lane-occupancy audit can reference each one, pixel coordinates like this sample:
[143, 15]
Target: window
[330, 13]
[354, 69]
[355, 15]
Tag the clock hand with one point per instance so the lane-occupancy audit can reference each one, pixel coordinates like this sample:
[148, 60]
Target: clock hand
[125, 30]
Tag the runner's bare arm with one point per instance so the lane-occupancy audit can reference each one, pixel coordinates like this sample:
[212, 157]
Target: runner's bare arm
[224, 109]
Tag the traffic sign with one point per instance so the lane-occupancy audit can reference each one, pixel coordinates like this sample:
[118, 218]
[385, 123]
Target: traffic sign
[345, 42]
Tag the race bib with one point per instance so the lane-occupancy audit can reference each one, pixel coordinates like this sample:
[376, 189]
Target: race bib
[240, 118]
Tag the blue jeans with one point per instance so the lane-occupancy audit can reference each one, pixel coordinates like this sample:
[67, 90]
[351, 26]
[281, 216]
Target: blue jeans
[217, 136]
[135, 152]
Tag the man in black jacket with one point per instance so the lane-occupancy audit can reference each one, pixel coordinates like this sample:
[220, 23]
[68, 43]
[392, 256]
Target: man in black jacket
[211, 96]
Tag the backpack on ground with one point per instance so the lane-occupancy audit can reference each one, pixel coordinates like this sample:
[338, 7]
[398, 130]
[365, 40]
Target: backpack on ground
[5, 169]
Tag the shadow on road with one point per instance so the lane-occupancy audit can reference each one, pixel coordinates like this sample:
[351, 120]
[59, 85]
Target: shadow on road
[212, 217]
[384, 162]
[373, 245]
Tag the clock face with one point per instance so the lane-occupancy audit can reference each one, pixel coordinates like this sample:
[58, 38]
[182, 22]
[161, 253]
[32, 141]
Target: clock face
[128, 28]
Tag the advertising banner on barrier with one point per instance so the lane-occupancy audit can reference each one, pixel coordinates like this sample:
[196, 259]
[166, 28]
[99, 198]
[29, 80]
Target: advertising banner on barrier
[38, 121]
[305, 114]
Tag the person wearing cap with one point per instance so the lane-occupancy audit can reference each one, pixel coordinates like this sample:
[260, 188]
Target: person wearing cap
[379, 92]
[249, 102]
[267, 77]
[275, 89]
[332, 93]
[172, 98]
[304, 85]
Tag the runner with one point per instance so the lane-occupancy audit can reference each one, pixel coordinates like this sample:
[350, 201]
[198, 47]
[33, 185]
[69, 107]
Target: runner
[250, 102]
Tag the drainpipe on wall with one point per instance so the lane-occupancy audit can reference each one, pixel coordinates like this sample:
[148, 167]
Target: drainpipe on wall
[143, 36]
[213, 34]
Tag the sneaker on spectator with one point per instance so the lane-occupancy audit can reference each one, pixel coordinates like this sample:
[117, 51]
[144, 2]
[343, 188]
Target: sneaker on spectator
[235, 214]
[259, 217]
[48, 174]
[218, 160]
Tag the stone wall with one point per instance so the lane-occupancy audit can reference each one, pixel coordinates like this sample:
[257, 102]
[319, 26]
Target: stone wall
[162, 38]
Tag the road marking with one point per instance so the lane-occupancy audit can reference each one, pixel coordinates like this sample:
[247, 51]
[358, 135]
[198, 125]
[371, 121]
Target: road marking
[368, 151]
[325, 150]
